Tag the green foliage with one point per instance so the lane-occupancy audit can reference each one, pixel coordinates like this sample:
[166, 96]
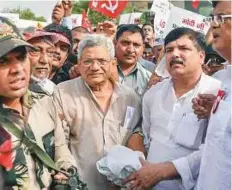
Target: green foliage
[27, 14]
[143, 18]
[96, 17]
[93, 16]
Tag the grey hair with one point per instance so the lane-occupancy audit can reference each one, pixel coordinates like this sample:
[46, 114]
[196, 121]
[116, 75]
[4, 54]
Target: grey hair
[94, 40]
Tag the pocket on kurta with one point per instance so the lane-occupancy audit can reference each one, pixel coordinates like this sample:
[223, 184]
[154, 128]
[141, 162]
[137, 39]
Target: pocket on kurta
[118, 133]
[190, 132]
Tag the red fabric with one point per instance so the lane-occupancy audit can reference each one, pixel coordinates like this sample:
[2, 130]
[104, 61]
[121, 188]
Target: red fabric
[56, 37]
[86, 22]
[110, 8]
[6, 154]
[220, 96]
[195, 4]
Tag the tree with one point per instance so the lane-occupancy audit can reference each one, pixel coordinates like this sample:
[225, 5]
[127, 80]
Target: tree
[26, 14]
[93, 16]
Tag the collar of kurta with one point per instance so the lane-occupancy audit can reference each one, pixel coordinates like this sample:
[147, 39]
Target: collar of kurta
[136, 67]
[42, 87]
[116, 89]
[193, 90]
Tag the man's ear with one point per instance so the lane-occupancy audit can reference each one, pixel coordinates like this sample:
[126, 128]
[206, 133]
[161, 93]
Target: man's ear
[114, 61]
[142, 50]
[115, 41]
[114, 70]
[202, 57]
[78, 63]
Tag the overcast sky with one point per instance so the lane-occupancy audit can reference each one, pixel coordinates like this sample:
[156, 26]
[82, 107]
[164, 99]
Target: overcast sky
[39, 7]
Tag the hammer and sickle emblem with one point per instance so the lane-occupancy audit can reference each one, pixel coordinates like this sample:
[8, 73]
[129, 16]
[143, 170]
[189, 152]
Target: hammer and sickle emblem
[111, 7]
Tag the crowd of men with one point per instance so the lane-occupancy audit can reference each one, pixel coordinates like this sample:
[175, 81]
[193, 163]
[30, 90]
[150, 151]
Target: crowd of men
[67, 96]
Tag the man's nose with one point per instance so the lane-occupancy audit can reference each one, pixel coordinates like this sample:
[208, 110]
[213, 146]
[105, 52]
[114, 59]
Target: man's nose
[57, 50]
[176, 52]
[95, 66]
[17, 68]
[130, 48]
[75, 48]
[43, 59]
[214, 24]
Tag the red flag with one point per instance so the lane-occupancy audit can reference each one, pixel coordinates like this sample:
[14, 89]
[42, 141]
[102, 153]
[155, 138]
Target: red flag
[5, 150]
[110, 8]
[195, 4]
[86, 22]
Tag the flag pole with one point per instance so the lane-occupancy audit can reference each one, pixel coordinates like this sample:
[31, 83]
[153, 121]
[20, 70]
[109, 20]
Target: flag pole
[87, 13]
[133, 10]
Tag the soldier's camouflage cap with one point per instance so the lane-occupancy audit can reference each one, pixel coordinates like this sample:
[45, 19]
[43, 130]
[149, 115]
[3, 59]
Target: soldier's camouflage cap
[10, 37]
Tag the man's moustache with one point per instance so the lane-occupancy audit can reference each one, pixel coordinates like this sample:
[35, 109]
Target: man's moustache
[129, 54]
[176, 61]
[57, 56]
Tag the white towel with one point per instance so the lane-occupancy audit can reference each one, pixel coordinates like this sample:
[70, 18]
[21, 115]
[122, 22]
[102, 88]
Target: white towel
[119, 163]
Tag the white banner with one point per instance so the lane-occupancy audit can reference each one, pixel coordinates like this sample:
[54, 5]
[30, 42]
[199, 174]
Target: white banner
[161, 69]
[162, 11]
[76, 20]
[183, 18]
[130, 18]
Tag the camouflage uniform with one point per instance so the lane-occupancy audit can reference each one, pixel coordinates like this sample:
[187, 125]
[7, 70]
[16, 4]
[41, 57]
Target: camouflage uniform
[22, 135]
[20, 168]
[48, 134]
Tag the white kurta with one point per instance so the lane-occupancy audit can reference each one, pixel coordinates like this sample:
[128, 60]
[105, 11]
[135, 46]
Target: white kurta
[210, 167]
[170, 124]
[215, 170]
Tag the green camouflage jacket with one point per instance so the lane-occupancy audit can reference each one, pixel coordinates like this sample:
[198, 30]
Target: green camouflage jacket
[20, 168]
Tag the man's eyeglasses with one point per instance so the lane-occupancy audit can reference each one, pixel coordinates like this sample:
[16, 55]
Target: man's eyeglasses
[100, 62]
[217, 19]
[37, 52]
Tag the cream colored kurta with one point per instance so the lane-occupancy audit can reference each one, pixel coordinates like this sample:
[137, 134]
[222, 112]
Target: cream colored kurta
[47, 127]
[92, 133]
